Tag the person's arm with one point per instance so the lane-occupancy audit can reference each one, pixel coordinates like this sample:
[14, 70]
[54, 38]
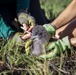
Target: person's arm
[66, 16]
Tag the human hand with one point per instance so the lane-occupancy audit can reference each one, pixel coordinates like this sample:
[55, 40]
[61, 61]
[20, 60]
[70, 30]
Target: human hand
[26, 28]
[27, 34]
[26, 19]
[19, 37]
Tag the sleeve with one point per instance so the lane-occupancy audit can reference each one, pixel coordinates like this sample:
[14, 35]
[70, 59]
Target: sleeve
[22, 4]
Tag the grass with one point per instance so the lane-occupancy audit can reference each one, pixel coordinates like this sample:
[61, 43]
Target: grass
[53, 8]
[15, 61]
[14, 58]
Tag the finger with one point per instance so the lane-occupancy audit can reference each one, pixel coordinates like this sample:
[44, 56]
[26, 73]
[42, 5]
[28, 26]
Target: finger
[25, 32]
[26, 36]
[22, 28]
[25, 27]
[31, 27]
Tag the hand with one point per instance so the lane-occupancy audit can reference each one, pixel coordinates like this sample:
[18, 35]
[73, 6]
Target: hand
[50, 29]
[26, 36]
[26, 28]
[20, 37]
[24, 18]
[27, 33]
[57, 47]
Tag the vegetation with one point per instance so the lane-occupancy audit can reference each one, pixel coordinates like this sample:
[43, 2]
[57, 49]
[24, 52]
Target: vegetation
[15, 61]
[53, 8]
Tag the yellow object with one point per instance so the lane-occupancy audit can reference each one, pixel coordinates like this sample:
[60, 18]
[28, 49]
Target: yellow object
[28, 43]
[28, 50]
[26, 18]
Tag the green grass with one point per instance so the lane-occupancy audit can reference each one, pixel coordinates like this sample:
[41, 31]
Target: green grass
[17, 62]
[15, 58]
[53, 8]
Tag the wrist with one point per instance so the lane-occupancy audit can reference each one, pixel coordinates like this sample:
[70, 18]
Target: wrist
[54, 26]
[49, 28]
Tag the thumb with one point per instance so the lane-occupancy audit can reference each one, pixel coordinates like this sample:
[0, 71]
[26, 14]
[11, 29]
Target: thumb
[31, 27]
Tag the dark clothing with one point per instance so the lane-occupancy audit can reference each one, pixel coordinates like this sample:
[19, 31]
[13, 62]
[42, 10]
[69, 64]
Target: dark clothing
[10, 8]
[13, 6]
[37, 12]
